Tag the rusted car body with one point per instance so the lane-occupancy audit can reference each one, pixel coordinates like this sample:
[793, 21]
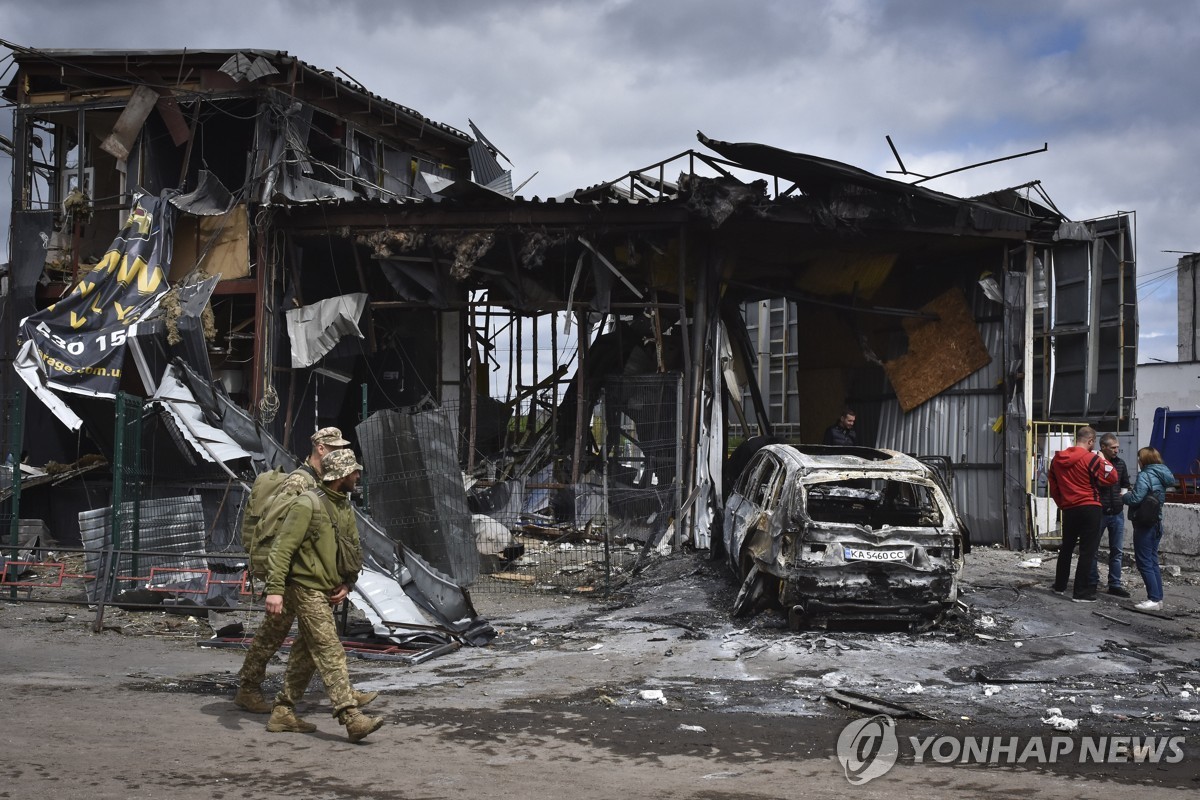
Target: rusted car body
[848, 533]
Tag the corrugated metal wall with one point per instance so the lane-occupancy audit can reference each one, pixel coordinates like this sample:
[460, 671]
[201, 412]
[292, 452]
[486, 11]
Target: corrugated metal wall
[959, 424]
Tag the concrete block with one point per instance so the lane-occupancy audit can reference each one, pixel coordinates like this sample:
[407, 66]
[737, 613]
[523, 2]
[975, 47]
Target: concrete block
[1181, 530]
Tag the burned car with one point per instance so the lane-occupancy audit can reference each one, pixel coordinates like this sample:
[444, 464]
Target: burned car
[843, 533]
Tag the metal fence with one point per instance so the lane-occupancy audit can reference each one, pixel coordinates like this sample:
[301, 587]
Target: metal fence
[1045, 439]
[538, 511]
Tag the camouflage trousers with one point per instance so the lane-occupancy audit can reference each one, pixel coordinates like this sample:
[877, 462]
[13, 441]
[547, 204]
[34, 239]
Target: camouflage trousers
[267, 640]
[316, 649]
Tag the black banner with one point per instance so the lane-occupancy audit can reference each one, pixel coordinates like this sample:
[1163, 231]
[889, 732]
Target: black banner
[79, 342]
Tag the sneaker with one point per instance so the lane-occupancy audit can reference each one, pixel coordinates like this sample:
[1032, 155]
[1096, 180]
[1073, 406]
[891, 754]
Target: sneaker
[359, 725]
[1084, 598]
[1117, 591]
[251, 700]
[363, 698]
[1149, 605]
[284, 720]
[1057, 590]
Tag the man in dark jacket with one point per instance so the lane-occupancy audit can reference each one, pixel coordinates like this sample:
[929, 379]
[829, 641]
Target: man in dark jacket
[842, 433]
[1112, 517]
[1076, 475]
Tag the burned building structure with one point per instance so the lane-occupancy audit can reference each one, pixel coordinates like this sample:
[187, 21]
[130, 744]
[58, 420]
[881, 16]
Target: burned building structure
[325, 256]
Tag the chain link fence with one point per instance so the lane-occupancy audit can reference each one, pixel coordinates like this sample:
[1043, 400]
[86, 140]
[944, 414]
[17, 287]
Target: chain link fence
[525, 514]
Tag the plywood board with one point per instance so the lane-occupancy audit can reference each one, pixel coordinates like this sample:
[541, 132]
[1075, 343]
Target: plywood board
[940, 353]
[229, 254]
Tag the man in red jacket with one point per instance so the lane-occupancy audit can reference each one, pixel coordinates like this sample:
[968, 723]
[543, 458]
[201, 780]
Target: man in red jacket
[1076, 475]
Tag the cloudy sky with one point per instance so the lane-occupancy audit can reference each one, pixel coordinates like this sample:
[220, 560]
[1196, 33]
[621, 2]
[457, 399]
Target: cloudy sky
[582, 92]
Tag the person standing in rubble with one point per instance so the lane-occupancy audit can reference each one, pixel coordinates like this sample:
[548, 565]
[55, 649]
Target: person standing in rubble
[1112, 519]
[306, 572]
[1154, 478]
[275, 627]
[842, 432]
[1076, 477]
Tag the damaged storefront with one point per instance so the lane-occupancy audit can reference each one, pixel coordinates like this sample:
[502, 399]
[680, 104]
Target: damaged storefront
[543, 391]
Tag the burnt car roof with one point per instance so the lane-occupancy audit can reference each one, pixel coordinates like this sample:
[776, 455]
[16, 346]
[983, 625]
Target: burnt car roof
[817, 457]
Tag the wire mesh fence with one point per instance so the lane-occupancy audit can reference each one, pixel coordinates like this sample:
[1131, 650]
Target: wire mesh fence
[531, 504]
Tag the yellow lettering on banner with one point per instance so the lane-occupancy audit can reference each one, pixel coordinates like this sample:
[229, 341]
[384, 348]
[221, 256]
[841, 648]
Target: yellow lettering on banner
[148, 280]
[84, 288]
[108, 263]
[129, 269]
[77, 321]
[97, 309]
[121, 310]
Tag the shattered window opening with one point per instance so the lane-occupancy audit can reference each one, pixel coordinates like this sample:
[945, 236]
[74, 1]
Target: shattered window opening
[873, 502]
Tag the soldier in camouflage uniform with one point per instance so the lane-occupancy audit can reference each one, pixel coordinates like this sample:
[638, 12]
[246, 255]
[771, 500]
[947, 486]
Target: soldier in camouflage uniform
[275, 627]
[305, 570]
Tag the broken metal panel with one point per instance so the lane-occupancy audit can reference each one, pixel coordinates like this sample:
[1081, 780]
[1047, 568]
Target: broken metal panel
[316, 329]
[1015, 414]
[120, 142]
[221, 411]
[209, 198]
[484, 166]
[171, 530]
[418, 282]
[397, 172]
[1094, 332]
[412, 475]
[208, 442]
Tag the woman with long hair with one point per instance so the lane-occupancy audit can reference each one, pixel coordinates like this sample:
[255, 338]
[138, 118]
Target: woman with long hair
[1154, 478]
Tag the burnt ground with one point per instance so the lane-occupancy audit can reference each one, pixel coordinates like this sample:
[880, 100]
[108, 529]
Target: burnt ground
[565, 698]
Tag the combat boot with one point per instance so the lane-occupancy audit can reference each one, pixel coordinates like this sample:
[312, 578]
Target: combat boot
[362, 698]
[284, 720]
[359, 725]
[251, 700]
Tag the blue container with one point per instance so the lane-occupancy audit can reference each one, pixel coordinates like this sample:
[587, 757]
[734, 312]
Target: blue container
[1176, 435]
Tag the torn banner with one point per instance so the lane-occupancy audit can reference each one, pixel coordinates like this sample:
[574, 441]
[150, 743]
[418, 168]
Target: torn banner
[78, 344]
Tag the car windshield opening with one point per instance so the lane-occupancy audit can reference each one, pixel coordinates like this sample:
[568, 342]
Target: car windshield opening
[874, 502]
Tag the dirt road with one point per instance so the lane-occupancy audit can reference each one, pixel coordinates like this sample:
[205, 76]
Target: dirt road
[564, 703]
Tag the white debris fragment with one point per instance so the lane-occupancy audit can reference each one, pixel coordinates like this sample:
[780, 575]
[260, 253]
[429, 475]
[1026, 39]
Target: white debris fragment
[916, 688]
[654, 695]
[1185, 694]
[693, 728]
[1097, 708]
[1188, 715]
[1189, 686]
[1056, 720]
[832, 679]
[1030, 563]
[988, 691]
[535, 641]
[595, 646]
[986, 622]
[1018, 644]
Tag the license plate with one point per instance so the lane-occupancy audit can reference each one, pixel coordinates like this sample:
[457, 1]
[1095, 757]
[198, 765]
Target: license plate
[859, 554]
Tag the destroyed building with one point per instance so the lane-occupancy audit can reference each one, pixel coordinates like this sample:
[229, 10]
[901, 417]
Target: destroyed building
[306, 253]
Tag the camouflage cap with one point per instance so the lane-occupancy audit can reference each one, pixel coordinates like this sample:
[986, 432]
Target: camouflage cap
[330, 437]
[338, 464]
